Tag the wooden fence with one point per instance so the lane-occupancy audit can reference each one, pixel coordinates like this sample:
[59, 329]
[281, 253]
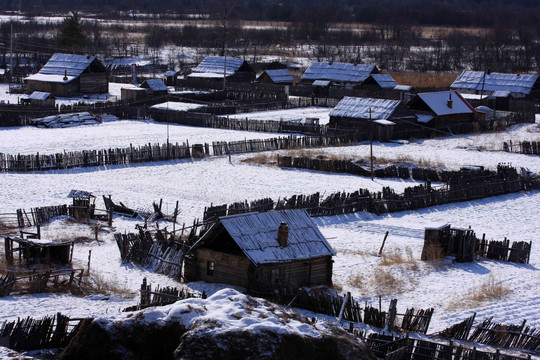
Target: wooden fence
[162, 152]
[463, 187]
[32, 334]
[519, 252]
[36, 283]
[522, 147]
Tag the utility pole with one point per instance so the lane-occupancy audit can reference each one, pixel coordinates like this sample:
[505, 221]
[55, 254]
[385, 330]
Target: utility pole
[371, 142]
[11, 56]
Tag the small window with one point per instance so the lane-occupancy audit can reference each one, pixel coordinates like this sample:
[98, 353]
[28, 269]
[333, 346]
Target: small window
[210, 268]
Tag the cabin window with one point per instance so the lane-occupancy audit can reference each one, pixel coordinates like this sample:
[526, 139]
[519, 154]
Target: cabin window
[274, 276]
[210, 265]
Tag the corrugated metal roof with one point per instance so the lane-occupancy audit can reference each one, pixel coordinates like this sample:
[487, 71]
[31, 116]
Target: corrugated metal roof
[154, 85]
[385, 81]
[515, 83]
[256, 234]
[280, 76]
[438, 103]
[340, 72]
[215, 64]
[74, 65]
[355, 107]
[39, 95]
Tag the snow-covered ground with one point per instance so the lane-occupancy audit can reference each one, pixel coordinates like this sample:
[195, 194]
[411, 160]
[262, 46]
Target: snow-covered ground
[356, 237]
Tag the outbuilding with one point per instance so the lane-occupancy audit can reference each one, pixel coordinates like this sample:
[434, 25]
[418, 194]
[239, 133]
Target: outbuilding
[278, 76]
[68, 75]
[262, 252]
[340, 74]
[40, 98]
[215, 67]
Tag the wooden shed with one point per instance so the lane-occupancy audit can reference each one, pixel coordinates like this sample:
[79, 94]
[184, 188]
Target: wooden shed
[38, 251]
[215, 67]
[67, 75]
[83, 204]
[262, 252]
[155, 87]
[40, 98]
[278, 76]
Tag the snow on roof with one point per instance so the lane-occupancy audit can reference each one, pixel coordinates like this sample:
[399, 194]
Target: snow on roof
[336, 71]
[171, 73]
[424, 118]
[206, 75]
[384, 122]
[438, 103]
[80, 194]
[515, 83]
[154, 85]
[256, 234]
[51, 78]
[176, 106]
[215, 64]
[384, 81]
[355, 107]
[321, 83]
[403, 87]
[39, 95]
[59, 63]
[501, 93]
[280, 75]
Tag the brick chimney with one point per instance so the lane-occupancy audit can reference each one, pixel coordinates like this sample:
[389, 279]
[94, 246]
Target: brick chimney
[283, 234]
[450, 102]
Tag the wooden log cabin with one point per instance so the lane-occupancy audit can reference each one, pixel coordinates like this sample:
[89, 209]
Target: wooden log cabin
[68, 75]
[262, 252]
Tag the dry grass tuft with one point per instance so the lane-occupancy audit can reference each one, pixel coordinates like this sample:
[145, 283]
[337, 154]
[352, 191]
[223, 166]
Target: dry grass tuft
[396, 258]
[261, 159]
[425, 80]
[356, 281]
[96, 283]
[492, 289]
[385, 283]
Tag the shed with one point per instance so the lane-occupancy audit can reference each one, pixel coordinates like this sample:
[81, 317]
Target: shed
[156, 87]
[69, 75]
[447, 109]
[38, 251]
[380, 81]
[83, 204]
[339, 73]
[354, 113]
[40, 98]
[262, 252]
[171, 77]
[278, 76]
[215, 67]
[519, 85]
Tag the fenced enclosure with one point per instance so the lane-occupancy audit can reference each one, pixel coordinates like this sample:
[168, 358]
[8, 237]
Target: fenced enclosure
[522, 147]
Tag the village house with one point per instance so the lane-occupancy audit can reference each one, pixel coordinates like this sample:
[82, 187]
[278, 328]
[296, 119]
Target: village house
[155, 87]
[278, 76]
[339, 74]
[379, 81]
[359, 113]
[446, 110]
[262, 252]
[67, 75]
[212, 68]
[488, 83]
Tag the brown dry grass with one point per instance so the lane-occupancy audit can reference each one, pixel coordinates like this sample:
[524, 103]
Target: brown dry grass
[261, 159]
[492, 289]
[96, 283]
[425, 80]
[386, 283]
[396, 258]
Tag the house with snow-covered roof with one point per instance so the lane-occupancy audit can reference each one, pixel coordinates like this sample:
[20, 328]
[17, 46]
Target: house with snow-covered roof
[262, 251]
[215, 67]
[477, 82]
[154, 86]
[67, 75]
[446, 109]
[277, 76]
[339, 73]
[358, 112]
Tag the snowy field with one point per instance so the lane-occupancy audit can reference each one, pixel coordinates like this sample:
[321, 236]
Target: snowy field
[355, 237]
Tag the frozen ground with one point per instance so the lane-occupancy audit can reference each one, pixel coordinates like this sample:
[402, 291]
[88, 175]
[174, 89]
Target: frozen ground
[356, 237]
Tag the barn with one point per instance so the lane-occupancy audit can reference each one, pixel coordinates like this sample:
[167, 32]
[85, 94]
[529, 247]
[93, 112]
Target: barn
[212, 68]
[279, 77]
[444, 109]
[67, 75]
[262, 252]
[480, 82]
[356, 113]
[339, 74]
